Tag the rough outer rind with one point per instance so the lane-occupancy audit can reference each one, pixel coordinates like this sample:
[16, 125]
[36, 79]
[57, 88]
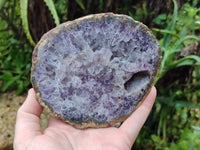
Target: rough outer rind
[145, 75]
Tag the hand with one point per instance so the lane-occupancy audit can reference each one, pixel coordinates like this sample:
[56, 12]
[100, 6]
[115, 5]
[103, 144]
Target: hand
[61, 136]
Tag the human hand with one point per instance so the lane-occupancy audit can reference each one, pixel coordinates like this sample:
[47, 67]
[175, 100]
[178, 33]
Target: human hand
[61, 136]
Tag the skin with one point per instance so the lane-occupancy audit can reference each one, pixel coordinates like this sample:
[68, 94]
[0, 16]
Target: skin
[61, 136]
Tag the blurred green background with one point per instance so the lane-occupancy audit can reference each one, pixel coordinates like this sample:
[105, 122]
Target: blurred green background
[174, 123]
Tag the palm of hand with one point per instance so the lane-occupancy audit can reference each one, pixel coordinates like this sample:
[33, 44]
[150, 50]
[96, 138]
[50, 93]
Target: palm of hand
[61, 136]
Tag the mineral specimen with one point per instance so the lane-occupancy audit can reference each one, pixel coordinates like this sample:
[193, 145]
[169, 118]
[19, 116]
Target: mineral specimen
[94, 71]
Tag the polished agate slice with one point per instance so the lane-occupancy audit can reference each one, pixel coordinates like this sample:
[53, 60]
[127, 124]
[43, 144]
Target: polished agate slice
[94, 71]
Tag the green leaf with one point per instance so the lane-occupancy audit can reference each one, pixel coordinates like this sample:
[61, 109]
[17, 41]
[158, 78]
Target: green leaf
[20, 87]
[179, 42]
[80, 3]
[144, 8]
[167, 37]
[24, 14]
[62, 8]
[9, 83]
[100, 5]
[188, 60]
[156, 139]
[196, 128]
[53, 11]
[2, 3]
[165, 31]
[160, 18]
[174, 17]
[186, 104]
[6, 75]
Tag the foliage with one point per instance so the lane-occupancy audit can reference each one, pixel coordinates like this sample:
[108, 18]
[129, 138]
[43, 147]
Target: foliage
[140, 12]
[51, 7]
[175, 113]
[15, 57]
[24, 14]
[62, 9]
[80, 3]
[190, 140]
[160, 19]
[177, 106]
[15, 54]
[172, 42]
[2, 3]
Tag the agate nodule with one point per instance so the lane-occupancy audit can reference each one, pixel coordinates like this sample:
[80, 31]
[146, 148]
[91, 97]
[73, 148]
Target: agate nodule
[95, 71]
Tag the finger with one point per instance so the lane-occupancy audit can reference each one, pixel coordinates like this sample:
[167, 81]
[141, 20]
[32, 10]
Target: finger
[28, 117]
[134, 123]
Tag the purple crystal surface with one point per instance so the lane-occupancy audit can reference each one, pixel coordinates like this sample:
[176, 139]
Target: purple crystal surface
[95, 69]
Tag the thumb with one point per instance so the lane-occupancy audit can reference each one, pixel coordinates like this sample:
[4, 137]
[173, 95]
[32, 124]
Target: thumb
[28, 119]
[134, 123]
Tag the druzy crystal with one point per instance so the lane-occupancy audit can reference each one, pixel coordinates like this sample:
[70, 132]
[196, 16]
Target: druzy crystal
[93, 71]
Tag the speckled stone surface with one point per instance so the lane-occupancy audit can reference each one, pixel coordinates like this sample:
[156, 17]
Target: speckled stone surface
[94, 71]
[9, 104]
